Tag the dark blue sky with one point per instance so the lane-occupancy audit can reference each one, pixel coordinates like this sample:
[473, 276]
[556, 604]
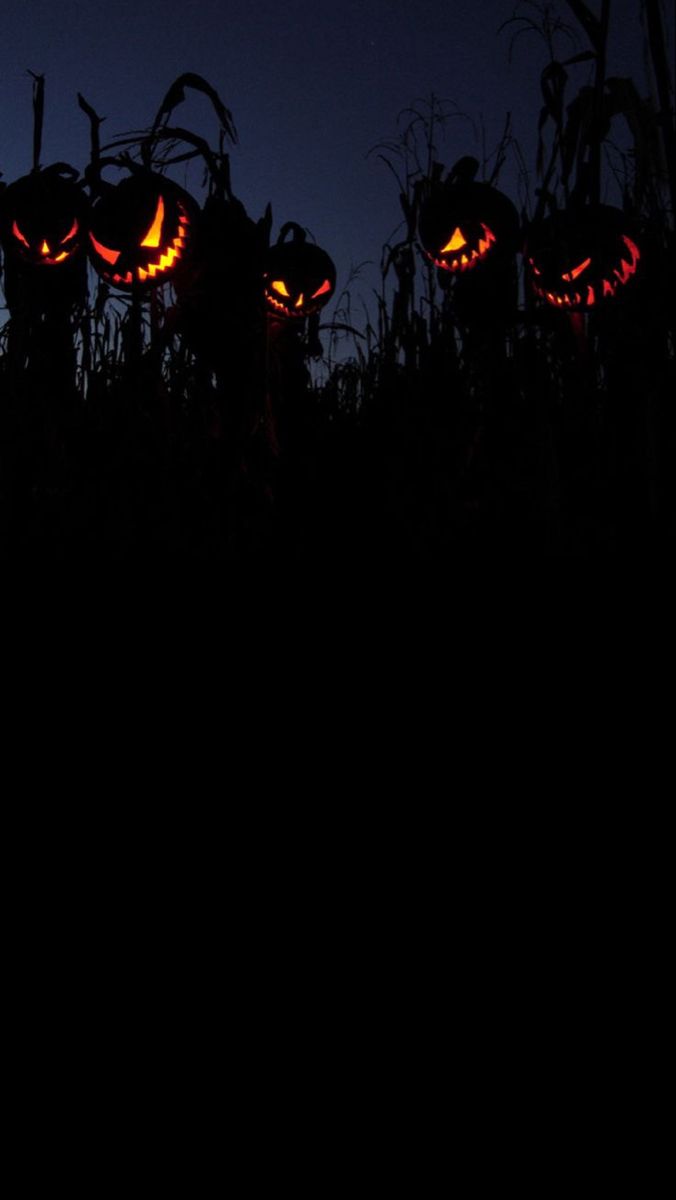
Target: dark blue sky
[312, 87]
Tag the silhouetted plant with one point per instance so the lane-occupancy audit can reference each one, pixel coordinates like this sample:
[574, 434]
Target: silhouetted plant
[471, 418]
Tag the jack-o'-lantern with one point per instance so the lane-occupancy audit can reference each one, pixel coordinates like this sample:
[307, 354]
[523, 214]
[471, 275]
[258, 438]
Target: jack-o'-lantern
[300, 278]
[462, 223]
[42, 219]
[578, 258]
[141, 230]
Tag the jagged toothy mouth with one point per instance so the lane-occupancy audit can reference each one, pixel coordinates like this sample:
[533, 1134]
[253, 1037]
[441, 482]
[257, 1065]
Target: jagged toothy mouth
[284, 308]
[45, 254]
[49, 260]
[464, 262]
[607, 287]
[166, 260]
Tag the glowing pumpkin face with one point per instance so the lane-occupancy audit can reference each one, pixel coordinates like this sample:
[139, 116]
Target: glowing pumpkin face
[42, 220]
[140, 231]
[299, 278]
[461, 224]
[578, 259]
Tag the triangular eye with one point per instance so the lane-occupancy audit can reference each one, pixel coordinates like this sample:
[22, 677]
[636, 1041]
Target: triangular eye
[110, 256]
[18, 234]
[71, 232]
[456, 243]
[154, 234]
[321, 291]
[576, 271]
[279, 286]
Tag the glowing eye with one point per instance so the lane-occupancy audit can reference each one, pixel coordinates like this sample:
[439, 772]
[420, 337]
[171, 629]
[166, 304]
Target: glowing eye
[576, 271]
[18, 234]
[321, 291]
[456, 243]
[110, 256]
[154, 234]
[71, 232]
[279, 286]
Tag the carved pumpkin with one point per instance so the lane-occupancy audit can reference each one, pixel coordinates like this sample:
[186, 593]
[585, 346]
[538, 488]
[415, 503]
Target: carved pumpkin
[461, 223]
[579, 258]
[141, 230]
[42, 219]
[300, 278]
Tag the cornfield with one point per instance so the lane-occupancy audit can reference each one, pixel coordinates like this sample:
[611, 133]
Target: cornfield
[468, 418]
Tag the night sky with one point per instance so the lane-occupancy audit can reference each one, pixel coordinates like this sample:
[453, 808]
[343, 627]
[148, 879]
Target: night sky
[312, 88]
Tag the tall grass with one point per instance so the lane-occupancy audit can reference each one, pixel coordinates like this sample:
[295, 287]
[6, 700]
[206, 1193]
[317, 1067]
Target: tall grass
[433, 431]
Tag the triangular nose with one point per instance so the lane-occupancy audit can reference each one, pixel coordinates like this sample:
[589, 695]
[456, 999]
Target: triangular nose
[44, 249]
[300, 301]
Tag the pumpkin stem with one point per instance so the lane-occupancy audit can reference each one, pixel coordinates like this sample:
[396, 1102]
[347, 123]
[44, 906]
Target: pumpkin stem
[299, 234]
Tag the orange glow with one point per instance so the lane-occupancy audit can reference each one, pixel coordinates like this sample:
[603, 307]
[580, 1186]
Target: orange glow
[466, 261]
[165, 261]
[576, 271]
[154, 234]
[152, 269]
[487, 240]
[110, 256]
[279, 286]
[300, 301]
[456, 243]
[595, 293]
[277, 304]
[45, 249]
[321, 291]
[18, 234]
